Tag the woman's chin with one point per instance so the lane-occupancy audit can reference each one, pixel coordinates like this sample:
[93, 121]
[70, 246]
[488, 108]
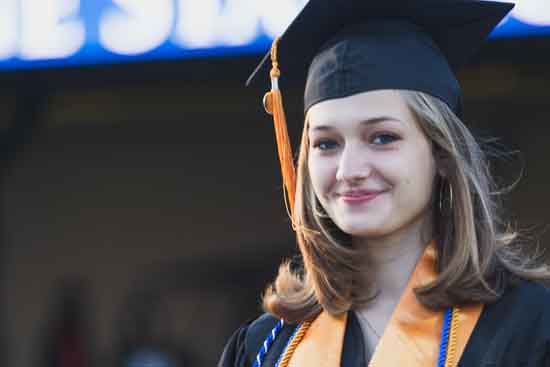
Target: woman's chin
[362, 229]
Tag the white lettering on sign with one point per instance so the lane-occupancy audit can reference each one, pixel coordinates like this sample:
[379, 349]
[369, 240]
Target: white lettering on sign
[238, 23]
[211, 23]
[8, 28]
[50, 29]
[276, 19]
[534, 12]
[137, 27]
[197, 23]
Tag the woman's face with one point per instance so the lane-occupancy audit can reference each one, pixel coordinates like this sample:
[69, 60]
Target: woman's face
[371, 167]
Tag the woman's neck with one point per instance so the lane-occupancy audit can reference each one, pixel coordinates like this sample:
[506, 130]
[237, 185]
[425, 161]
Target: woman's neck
[393, 258]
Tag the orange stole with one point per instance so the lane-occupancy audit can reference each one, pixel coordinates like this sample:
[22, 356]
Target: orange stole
[411, 338]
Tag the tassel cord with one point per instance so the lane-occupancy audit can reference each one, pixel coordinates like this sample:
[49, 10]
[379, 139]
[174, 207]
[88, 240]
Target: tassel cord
[273, 103]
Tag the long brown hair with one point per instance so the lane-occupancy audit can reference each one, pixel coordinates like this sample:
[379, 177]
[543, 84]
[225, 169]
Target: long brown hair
[479, 254]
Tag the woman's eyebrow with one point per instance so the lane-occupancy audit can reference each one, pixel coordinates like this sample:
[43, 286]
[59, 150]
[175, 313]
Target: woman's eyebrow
[370, 121]
[379, 119]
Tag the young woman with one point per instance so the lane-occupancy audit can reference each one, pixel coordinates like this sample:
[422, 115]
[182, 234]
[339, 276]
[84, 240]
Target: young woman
[406, 260]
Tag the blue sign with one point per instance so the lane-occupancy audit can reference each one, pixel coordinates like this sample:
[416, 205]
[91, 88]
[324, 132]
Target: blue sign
[529, 18]
[56, 33]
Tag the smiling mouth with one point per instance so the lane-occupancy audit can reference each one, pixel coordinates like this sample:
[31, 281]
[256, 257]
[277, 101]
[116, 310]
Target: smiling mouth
[359, 198]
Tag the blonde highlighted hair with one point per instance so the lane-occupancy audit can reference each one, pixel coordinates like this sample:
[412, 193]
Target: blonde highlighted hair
[479, 255]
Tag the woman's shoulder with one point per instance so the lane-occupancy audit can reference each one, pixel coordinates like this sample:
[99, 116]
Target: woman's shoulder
[242, 347]
[524, 305]
[530, 295]
[515, 330]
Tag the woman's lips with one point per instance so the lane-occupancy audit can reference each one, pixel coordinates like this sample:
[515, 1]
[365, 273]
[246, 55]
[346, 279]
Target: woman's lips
[359, 198]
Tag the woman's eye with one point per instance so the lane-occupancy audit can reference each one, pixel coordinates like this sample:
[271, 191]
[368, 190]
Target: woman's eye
[383, 139]
[325, 144]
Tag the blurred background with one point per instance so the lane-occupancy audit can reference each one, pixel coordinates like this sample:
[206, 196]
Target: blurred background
[141, 207]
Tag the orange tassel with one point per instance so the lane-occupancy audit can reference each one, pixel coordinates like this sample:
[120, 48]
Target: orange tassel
[273, 103]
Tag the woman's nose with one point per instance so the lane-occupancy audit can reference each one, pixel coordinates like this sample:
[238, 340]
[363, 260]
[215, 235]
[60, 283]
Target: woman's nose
[353, 166]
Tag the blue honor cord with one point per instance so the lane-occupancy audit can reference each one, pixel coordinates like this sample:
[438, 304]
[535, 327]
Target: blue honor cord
[266, 345]
[444, 343]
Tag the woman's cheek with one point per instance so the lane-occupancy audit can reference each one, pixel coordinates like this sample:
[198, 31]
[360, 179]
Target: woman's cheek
[323, 176]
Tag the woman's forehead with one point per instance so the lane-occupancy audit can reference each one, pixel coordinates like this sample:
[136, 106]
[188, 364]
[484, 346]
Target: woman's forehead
[373, 105]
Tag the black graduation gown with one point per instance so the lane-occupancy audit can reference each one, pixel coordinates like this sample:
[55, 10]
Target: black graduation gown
[513, 332]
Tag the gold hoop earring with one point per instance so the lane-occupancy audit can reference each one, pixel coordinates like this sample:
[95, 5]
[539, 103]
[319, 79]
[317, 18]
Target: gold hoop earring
[442, 195]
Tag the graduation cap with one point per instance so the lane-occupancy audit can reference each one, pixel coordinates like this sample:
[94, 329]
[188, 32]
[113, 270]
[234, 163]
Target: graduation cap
[344, 47]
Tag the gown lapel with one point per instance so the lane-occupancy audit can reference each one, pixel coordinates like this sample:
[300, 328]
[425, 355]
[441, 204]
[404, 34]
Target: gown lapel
[323, 342]
[411, 338]
[413, 334]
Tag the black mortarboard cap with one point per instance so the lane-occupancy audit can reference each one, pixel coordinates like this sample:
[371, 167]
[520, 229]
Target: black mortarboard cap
[351, 46]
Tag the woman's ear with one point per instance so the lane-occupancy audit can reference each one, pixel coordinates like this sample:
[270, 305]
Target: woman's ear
[442, 164]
